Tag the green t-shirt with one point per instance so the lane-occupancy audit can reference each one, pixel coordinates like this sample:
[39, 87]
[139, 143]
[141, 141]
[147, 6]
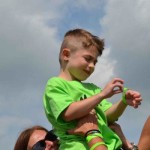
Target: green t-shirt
[59, 94]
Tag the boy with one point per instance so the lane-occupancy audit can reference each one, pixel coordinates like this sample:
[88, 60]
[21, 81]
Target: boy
[67, 98]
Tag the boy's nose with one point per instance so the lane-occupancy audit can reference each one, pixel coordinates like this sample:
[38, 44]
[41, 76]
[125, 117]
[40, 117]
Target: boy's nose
[91, 65]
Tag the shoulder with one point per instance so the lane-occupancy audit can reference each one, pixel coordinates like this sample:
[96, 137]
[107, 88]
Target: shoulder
[54, 80]
[54, 85]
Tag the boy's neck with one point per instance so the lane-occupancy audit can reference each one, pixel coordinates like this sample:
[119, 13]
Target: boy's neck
[66, 75]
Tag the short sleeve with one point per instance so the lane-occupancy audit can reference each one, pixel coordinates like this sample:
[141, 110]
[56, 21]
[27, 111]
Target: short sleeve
[56, 99]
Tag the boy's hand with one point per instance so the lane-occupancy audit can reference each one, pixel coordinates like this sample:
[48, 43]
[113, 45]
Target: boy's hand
[113, 87]
[133, 98]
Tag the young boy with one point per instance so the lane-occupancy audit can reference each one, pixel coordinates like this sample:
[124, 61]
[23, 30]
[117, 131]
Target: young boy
[67, 98]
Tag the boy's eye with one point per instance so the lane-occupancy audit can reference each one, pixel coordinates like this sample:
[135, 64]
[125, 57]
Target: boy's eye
[87, 59]
[95, 62]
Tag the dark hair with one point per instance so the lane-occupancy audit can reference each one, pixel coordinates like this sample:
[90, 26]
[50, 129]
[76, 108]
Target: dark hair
[23, 139]
[80, 38]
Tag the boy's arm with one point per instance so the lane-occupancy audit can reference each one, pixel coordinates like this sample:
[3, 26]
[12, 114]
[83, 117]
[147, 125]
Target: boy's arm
[133, 98]
[81, 108]
[115, 111]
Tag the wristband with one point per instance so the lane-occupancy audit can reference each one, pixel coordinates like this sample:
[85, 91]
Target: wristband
[124, 95]
[92, 136]
[91, 132]
[97, 144]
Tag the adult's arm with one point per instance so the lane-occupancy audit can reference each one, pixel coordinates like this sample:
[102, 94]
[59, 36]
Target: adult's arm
[86, 124]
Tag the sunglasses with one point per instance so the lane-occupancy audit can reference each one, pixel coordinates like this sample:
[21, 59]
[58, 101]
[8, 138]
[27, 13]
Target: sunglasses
[40, 145]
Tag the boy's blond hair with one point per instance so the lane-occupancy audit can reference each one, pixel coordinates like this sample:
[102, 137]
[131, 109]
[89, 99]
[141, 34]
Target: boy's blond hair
[79, 39]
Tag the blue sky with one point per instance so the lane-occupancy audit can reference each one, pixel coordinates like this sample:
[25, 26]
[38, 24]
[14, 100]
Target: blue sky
[30, 38]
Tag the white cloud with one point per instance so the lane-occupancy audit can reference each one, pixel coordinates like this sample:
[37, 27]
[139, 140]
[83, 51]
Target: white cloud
[127, 21]
[126, 30]
[28, 44]
[26, 33]
[89, 5]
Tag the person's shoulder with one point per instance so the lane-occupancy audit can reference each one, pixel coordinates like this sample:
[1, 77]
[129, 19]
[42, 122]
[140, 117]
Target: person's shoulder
[55, 81]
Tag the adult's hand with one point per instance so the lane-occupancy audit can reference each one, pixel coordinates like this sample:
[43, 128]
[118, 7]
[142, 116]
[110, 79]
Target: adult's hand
[89, 122]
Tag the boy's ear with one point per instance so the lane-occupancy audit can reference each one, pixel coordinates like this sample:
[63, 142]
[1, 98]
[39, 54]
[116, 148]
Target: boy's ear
[66, 53]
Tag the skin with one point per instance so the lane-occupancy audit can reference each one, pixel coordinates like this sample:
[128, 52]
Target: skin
[85, 124]
[116, 128]
[79, 65]
[89, 122]
[38, 135]
[133, 99]
[145, 136]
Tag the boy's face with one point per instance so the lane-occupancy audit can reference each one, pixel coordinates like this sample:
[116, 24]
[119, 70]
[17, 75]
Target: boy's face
[81, 63]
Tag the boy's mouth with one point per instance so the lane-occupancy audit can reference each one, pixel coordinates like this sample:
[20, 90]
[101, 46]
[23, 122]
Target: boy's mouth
[87, 72]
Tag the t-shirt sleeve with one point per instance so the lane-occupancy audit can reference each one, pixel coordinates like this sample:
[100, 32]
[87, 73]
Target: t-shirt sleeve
[56, 99]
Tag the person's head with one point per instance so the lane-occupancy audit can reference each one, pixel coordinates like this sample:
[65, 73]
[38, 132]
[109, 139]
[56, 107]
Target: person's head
[36, 138]
[79, 51]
